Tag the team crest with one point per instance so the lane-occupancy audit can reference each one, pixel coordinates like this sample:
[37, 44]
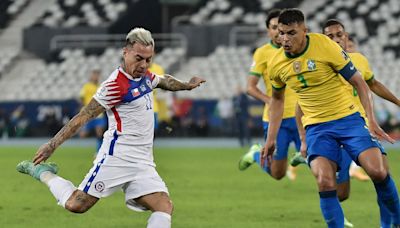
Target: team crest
[311, 65]
[99, 186]
[143, 88]
[297, 66]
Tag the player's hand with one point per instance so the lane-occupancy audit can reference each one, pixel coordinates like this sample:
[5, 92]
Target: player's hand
[303, 149]
[195, 82]
[267, 152]
[378, 133]
[43, 153]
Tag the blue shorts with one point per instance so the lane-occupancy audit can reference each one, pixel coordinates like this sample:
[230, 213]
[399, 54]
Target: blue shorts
[97, 122]
[286, 134]
[327, 139]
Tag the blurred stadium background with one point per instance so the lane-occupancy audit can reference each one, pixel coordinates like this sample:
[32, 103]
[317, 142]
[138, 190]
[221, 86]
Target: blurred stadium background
[49, 47]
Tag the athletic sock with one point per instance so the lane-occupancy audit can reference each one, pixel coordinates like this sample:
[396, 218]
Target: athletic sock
[385, 216]
[159, 219]
[387, 194]
[60, 188]
[331, 209]
[257, 159]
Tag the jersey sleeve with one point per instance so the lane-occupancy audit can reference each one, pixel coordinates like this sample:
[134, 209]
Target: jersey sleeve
[257, 67]
[368, 73]
[276, 81]
[112, 91]
[339, 59]
[154, 78]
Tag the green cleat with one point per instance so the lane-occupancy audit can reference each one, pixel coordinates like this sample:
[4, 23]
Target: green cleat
[297, 159]
[29, 168]
[248, 158]
[347, 223]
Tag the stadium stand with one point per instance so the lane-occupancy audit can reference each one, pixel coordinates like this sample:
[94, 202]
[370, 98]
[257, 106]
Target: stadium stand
[374, 23]
[72, 13]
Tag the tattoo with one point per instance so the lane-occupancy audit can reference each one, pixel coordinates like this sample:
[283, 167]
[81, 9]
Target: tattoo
[92, 110]
[172, 84]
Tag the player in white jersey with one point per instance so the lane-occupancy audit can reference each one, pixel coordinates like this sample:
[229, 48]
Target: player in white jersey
[125, 160]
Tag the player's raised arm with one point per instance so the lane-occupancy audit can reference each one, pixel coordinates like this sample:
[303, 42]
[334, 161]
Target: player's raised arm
[168, 82]
[366, 99]
[89, 112]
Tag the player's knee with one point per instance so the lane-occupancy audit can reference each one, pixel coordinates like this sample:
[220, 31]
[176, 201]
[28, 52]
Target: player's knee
[377, 174]
[168, 207]
[279, 175]
[326, 183]
[75, 207]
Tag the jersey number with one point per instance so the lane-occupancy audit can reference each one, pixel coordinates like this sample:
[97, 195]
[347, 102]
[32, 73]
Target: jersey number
[301, 78]
[149, 102]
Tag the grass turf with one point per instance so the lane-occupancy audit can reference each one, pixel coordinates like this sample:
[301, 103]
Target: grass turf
[205, 185]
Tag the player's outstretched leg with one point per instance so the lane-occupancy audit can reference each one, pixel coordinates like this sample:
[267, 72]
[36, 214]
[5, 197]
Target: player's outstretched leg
[249, 158]
[29, 168]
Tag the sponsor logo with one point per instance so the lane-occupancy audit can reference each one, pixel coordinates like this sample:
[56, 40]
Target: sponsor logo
[148, 82]
[99, 186]
[143, 88]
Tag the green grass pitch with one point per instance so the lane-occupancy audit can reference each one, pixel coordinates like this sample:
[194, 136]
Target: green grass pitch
[205, 185]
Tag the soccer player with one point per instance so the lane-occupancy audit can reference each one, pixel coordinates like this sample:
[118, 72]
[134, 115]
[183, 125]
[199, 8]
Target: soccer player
[97, 124]
[125, 160]
[156, 69]
[288, 130]
[312, 64]
[335, 30]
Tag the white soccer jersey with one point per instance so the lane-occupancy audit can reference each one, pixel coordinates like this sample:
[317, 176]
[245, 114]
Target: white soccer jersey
[129, 105]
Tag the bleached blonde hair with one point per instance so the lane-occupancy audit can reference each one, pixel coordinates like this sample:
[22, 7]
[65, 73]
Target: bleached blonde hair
[139, 35]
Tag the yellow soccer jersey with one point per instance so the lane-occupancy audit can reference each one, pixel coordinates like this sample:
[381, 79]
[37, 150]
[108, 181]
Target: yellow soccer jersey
[362, 65]
[314, 76]
[87, 92]
[261, 60]
[156, 69]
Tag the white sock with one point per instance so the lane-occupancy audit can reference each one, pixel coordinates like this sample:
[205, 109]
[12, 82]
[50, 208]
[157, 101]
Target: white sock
[60, 188]
[159, 219]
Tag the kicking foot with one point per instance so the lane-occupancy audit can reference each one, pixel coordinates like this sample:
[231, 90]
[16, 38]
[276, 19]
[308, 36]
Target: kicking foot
[29, 168]
[297, 159]
[248, 158]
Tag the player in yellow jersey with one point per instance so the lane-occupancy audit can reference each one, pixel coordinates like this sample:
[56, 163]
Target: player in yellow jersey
[156, 69]
[98, 124]
[288, 131]
[335, 30]
[312, 65]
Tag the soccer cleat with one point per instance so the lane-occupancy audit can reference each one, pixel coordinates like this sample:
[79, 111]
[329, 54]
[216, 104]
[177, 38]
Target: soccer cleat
[248, 158]
[297, 159]
[29, 168]
[347, 223]
[291, 173]
[358, 173]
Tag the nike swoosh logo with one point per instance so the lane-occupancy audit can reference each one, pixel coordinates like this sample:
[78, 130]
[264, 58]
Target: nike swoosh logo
[352, 67]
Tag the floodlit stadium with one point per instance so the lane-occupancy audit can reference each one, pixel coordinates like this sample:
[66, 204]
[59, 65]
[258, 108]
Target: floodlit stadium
[51, 49]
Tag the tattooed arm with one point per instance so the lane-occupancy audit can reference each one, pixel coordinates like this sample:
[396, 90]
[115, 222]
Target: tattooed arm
[92, 110]
[170, 83]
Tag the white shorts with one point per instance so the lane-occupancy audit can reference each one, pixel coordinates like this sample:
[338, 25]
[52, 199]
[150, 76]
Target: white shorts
[110, 174]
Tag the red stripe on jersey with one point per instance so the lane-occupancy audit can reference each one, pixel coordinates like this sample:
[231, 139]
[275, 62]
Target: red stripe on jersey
[117, 89]
[118, 119]
[150, 75]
